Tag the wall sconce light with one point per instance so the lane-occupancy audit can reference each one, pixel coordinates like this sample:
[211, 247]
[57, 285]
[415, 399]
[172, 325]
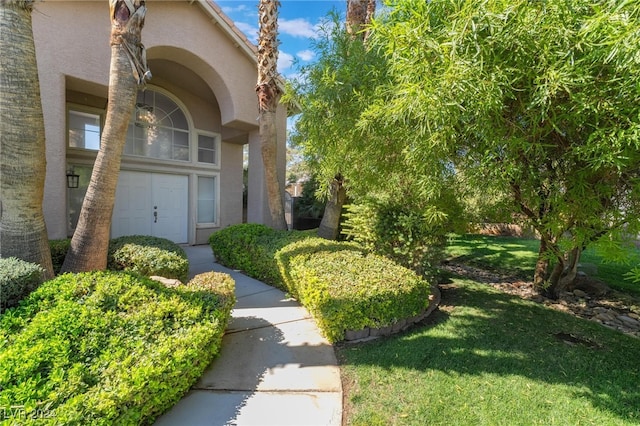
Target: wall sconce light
[72, 178]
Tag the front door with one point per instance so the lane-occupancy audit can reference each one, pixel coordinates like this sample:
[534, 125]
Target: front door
[151, 204]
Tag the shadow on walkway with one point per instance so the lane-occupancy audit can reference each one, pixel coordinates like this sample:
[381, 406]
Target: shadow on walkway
[275, 368]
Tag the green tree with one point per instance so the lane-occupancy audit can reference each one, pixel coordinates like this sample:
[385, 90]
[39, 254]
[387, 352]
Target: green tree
[332, 94]
[90, 242]
[335, 93]
[23, 232]
[359, 16]
[539, 100]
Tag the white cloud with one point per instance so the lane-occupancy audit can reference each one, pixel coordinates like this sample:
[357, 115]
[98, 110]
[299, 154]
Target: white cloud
[295, 77]
[306, 55]
[234, 9]
[285, 60]
[249, 30]
[297, 28]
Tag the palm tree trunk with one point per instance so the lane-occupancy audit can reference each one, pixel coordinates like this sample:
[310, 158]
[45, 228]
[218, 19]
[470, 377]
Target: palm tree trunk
[359, 15]
[269, 94]
[23, 232]
[90, 241]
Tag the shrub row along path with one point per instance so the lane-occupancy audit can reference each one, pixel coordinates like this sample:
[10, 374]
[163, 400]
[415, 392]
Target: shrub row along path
[275, 368]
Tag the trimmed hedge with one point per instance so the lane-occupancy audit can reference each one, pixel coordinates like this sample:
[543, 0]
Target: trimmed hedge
[342, 286]
[251, 248]
[18, 278]
[142, 254]
[146, 255]
[347, 289]
[108, 348]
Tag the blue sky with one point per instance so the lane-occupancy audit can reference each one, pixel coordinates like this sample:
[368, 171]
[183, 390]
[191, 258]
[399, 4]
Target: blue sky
[298, 25]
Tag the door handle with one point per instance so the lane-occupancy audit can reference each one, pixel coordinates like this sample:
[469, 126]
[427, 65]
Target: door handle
[155, 217]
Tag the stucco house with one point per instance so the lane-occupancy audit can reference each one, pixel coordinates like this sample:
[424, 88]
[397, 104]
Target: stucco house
[182, 170]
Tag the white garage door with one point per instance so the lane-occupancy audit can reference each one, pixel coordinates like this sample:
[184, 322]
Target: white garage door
[151, 204]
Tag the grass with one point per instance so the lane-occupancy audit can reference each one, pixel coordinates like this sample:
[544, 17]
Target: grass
[515, 255]
[488, 358]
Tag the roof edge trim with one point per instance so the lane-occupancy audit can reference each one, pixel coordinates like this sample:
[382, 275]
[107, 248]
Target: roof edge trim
[221, 19]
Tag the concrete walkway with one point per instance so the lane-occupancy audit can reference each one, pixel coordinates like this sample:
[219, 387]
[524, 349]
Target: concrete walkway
[275, 368]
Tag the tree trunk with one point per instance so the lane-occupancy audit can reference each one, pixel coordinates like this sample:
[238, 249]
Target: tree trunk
[23, 232]
[359, 15]
[564, 271]
[90, 241]
[542, 266]
[571, 270]
[330, 224]
[269, 94]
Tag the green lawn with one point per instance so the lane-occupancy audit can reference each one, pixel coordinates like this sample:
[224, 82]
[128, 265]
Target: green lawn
[518, 256]
[488, 358]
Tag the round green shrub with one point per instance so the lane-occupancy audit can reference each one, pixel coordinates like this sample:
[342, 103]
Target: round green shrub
[414, 238]
[235, 246]
[146, 255]
[107, 348]
[346, 289]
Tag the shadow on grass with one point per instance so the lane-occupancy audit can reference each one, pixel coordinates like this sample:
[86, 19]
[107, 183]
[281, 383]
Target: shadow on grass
[512, 254]
[479, 332]
[517, 256]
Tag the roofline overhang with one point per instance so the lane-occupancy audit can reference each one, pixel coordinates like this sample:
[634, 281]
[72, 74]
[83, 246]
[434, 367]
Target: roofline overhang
[240, 41]
[220, 19]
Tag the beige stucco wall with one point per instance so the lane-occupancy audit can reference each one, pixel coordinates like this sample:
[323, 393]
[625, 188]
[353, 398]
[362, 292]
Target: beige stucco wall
[196, 61]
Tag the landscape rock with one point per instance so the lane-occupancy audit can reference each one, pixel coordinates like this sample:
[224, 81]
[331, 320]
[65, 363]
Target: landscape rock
[628, 321]
[169, 282]
[357, 335]
[579, 293]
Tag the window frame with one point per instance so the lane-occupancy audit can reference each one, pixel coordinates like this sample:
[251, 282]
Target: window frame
[83, 109]
[216, 200]
[217, 146]
[189, 131]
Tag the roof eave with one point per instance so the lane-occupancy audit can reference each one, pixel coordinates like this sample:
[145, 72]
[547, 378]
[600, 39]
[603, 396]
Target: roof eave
[220, 19]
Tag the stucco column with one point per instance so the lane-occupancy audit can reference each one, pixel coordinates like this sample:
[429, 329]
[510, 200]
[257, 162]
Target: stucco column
[55, 193]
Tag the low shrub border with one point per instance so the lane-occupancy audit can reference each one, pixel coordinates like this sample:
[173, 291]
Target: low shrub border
[110, 347]
[353, 336]
[346, 290]
[148, 256]
[142, 254]
[59, 249]
[251, 248]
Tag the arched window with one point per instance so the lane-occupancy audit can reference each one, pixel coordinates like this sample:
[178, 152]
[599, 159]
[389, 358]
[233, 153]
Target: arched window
[158, 128]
